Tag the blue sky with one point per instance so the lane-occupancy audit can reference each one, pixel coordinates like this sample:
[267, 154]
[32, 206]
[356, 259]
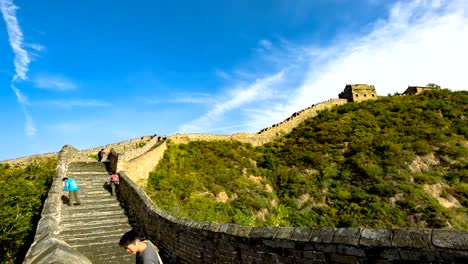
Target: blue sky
[90, 73]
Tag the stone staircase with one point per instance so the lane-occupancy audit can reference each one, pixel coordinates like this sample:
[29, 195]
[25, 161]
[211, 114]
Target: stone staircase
[94, 228]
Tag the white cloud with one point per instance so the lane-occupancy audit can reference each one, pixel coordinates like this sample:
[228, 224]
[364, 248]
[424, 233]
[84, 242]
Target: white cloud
[35, 46]
[30, 128]
[419, 42]
[191, 98]
[15, 36]
[22, 99]
[70, 103]
[21, 60]
[54, 82]
[261, 89]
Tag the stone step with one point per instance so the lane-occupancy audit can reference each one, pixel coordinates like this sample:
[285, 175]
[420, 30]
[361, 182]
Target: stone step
[97, 241]
[87, 174]
[101, 178]
[129, 259]
[79, 211]
[93, 189]
[103, 216]
[89, 215]
[109, 253]
[89, 201]
[110, 235]
[112, 259]
[110, 214]
[93, 192]
[95, 227]
[97, 230]
[86, 166]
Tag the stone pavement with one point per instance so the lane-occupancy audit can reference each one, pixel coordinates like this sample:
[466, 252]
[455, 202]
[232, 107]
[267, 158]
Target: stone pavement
[94, 228]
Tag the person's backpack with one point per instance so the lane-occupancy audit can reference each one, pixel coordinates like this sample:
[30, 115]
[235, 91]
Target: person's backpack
[114, 178]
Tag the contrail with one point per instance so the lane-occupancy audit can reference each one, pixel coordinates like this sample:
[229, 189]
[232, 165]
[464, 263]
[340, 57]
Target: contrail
[22, 59]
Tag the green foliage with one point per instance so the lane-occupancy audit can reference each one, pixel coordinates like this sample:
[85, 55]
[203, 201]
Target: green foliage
[93, 156]
[22, 194]
[347, 167]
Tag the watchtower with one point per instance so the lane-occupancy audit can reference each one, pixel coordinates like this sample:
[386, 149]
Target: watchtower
[418, 89]
[358, 92]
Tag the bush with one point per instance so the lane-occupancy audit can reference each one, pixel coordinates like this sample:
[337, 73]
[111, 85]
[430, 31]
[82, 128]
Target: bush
[22, 194]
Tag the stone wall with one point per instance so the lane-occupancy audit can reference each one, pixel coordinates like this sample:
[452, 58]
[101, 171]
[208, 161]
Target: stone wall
[139, 167]
[358, 92]
[47, 247]
[123, 146]
[188, 241]
[133, 153]
[130, 146]
[265, 135]
[138, 163]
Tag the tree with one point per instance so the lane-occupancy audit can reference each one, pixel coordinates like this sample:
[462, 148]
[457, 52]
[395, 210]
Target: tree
[433, 85]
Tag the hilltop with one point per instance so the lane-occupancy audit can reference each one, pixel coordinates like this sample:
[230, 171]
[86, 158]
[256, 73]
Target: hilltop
[399, 161]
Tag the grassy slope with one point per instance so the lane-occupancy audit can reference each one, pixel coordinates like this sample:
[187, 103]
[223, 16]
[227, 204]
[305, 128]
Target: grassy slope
[22, 193]
[362, 165]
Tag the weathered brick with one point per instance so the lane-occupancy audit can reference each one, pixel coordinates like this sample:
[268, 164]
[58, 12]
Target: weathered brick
[322, 234]
[349, 236]
[376, 237]
[453, 239]
[412, 238]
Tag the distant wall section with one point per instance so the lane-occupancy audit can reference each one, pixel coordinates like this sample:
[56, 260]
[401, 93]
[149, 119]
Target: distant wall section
[265, 135]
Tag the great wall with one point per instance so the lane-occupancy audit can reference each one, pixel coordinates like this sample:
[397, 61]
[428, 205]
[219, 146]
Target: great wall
[187, 241]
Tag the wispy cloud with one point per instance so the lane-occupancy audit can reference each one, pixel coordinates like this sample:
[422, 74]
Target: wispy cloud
[54, 82]
[418, 42]
[15, 36]
[35, 46]
[21, 60]
[266, 44]
[70, 103]
[261, 89]
[222, 74]
[192, 98]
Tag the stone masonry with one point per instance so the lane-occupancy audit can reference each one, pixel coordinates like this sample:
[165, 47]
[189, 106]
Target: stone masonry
[358, 92]
[187, 241]
[95, 226]
[88, 233]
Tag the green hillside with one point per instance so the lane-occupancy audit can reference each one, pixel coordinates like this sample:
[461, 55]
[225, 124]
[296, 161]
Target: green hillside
[22, 194]
[400, 161]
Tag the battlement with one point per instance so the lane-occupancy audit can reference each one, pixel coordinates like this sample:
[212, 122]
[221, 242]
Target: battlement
[417, 89]
[358, 92]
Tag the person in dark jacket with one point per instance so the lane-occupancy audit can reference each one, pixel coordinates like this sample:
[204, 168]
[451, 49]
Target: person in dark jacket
[71, 186]
[100, 155]
[145, 251]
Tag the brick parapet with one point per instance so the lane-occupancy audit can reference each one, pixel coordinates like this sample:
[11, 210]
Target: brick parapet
[189, 241]
[47, 247]
[122, 146]
[133, 153]
[138, 168]
[265, 135]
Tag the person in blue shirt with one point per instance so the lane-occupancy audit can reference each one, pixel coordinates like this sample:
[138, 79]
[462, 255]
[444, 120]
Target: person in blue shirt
[72, 188]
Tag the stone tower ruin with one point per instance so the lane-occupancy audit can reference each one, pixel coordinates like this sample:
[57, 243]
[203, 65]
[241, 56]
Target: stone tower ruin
[358, 92]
